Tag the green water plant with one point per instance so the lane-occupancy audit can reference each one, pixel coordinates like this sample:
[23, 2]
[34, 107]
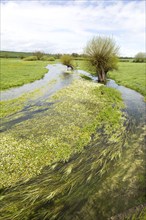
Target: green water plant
[81, 160]
[61, 131]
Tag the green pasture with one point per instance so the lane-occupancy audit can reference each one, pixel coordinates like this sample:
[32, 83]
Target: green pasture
[16, 72]
[131, 75]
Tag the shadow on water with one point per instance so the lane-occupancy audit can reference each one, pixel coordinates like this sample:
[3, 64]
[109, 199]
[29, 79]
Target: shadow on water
[92, 185]
[25, 114]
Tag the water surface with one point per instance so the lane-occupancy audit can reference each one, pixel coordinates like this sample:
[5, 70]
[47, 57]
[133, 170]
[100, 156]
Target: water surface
[55, 73]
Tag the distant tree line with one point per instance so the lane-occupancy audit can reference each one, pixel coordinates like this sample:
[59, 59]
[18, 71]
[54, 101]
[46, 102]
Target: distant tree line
[39, 54]
[138, 58]
[12, 54]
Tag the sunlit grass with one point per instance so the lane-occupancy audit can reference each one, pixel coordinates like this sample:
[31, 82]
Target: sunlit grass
[15, 72]
[131, 75]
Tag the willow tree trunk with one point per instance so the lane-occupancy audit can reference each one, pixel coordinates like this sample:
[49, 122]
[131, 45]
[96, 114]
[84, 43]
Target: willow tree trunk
[102, 75]
[69, 65]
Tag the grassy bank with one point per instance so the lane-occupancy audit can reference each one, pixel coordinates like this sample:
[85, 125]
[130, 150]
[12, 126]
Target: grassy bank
[131, 75]
[15, 72]
[60, 132]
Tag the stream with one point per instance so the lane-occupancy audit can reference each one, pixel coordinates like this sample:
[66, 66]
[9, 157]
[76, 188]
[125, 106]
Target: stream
[76, 190]
[56, 72]
[54, 80]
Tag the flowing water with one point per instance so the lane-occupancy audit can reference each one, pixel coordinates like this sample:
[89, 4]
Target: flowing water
[91, 185]
[54, 80]
[55, 72]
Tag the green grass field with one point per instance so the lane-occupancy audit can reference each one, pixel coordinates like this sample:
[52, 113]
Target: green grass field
[15, 72]
[131, 75]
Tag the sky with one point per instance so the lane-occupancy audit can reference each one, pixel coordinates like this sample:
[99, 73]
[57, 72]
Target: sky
[65, 26]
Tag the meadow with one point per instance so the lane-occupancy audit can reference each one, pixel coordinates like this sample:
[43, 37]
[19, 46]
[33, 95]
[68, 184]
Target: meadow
[16, 72]
[131, 75]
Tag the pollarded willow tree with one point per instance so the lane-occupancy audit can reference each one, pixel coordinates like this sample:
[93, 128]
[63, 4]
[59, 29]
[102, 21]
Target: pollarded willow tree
[140, 57]
[67, 60]
[103, 55]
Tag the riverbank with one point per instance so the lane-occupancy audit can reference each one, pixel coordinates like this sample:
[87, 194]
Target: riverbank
[16, 72]
[131, 75]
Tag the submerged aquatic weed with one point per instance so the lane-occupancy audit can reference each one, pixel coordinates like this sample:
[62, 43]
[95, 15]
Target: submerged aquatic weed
[89, 186]
[96, 164]
[61, 131]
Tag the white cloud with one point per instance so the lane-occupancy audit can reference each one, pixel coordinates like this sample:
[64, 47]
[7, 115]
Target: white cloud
[66, 27]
